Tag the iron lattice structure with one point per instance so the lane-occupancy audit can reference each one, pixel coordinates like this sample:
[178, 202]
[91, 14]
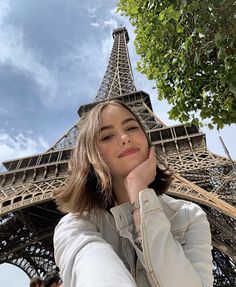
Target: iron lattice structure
[29, 215]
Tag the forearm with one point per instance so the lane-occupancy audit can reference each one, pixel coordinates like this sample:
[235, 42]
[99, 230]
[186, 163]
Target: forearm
[133, 188]
[99, 266]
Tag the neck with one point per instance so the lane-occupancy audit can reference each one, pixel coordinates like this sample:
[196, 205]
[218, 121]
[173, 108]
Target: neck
[120, 191]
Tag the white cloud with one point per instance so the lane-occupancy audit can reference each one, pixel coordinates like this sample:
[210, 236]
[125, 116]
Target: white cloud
[89, 58]
[20, 145]
[91, 11]
[60, 85]
[111, 22]
[94, 24]
[15, 52]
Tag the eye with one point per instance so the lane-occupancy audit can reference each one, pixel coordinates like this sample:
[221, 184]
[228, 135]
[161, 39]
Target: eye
[106, 138]
[132, 128]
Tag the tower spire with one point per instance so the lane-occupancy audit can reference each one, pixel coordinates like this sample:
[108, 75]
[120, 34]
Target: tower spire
[118, 79]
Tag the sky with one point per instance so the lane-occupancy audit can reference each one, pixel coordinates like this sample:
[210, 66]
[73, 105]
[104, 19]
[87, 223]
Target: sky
[53, 55]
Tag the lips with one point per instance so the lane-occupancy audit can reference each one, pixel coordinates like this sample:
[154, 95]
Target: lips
[127, 152]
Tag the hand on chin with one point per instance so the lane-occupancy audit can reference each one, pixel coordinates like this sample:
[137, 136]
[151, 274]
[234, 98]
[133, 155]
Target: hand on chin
[141, 175]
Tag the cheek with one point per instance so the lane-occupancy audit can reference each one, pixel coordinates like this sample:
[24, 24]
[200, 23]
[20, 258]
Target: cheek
[105, 153]
[144, 142]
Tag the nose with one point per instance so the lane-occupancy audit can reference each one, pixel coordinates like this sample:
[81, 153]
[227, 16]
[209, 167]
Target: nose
[125, 139]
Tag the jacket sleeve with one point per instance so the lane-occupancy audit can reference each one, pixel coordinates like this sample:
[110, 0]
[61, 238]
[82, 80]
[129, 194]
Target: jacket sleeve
[84, 258]
[169, 263]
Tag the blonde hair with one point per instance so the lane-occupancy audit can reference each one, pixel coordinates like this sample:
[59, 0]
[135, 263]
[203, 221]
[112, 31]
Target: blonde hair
[90, 185]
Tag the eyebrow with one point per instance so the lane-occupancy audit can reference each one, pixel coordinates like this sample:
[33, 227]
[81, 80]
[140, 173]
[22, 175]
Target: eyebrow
[123, 122]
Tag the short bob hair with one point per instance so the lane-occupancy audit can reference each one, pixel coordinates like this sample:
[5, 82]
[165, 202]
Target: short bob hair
[89, 186]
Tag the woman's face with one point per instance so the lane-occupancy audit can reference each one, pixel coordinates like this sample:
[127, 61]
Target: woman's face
[121, 142]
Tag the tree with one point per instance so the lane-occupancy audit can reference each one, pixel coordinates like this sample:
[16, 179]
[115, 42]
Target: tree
[189, 49]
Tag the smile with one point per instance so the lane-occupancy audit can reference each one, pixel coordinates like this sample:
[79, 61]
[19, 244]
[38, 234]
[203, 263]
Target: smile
[128, 152]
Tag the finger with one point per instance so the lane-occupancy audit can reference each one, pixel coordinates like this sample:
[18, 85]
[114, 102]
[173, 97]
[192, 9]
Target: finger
[152, 153]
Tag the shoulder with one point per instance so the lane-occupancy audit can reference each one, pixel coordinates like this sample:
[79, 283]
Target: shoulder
[72, 223]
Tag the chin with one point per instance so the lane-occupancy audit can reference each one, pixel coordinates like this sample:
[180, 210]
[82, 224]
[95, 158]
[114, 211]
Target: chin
[131, 167]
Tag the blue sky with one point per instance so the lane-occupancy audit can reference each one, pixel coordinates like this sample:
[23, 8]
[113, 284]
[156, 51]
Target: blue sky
[53, 55]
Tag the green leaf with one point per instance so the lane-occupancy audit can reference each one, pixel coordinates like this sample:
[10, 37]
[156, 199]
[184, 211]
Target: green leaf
[195, 122]
[179, 28]
[196, 59]
[166, 67]
[232, 84]
[162, 15]
[218, 39]
[210, 126]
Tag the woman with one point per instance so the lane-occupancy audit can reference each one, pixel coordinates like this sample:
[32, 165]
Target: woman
[121, 229]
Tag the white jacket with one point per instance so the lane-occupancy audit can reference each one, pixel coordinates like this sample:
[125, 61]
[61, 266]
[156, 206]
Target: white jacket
[99, 250]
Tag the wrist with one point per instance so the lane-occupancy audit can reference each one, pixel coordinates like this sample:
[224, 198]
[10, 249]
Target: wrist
[134, 183]
[134, 206]
[133, 189]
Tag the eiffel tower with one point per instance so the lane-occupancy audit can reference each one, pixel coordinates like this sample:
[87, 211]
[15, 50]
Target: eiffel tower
[28, 212]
